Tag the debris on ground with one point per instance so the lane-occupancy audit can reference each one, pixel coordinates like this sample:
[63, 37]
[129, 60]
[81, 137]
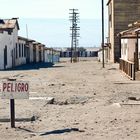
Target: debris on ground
[72, 100]
[116, 105]
[50, 100]
[29, 119]
[134, 98]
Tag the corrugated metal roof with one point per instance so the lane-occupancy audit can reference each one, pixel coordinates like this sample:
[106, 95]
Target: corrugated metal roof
[26, 39]
[36, 43]
[9, 23]
[135, 27]
[130, 33]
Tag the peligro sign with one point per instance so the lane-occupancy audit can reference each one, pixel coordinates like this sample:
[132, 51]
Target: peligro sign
[15, 90]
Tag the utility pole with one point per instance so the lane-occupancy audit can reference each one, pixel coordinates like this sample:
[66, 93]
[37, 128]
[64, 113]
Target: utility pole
[103, 61]
[74, 18]
[27, 31]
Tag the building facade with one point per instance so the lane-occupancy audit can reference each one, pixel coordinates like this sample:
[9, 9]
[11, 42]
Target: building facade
[130, 51]
[51, 55]
[20, 52]
[84, 52]
[120, 14]
[8, 39]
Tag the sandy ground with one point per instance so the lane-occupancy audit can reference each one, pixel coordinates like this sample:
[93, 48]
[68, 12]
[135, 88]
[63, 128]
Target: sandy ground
[91, 103]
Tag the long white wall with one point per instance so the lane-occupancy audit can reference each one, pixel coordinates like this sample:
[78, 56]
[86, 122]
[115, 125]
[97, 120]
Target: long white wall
[21, 57]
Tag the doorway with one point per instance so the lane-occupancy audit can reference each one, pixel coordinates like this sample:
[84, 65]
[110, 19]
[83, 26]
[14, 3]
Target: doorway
[5, 57]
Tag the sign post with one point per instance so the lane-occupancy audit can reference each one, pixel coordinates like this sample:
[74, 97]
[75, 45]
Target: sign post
[12, 112]
[12, 90]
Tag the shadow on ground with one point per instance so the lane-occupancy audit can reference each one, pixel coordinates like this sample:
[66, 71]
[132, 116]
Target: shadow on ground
[61, 131]
[53, 132]
[27, 130]
[34, 66]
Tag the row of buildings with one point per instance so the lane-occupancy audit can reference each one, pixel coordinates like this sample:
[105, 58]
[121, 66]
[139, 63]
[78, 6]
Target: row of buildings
[81, 52]
[123, 40]
[16, 50]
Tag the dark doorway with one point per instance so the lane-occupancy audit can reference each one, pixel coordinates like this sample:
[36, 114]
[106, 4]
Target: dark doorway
[5, 57]
[34, 54]
[27, 55]
[39, 56]
[13, 52]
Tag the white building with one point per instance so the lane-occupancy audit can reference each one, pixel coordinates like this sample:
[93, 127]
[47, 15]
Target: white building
[48, 54]
[100, 55]
[51, 55]
[8, 39]
[38, 52]
[56, 56]
[130, 51]
[26, 54]
[130, 43]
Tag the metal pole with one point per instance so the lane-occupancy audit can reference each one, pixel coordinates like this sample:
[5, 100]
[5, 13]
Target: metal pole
[52, 56]
[72, 37]
[137, 51]
[71, 53]
[103, 63]
[12, 112]
[26, 31]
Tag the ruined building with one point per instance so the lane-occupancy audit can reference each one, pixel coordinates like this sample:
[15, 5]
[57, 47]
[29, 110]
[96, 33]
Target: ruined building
[120, 14]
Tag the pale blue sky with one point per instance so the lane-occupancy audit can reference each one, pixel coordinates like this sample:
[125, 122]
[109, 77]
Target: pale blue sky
[50, 8]
[35, 13]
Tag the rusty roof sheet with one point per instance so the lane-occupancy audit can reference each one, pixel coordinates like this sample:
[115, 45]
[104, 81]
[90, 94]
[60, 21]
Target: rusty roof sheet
[47, 48]
[51, 49]
[108, 2]
[8, 23]
[130, 32]
[36, 43]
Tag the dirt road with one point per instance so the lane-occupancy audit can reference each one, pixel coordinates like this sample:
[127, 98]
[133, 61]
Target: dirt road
[90, 103]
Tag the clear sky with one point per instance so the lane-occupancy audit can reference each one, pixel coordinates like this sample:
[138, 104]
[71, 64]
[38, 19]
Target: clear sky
[50, 9]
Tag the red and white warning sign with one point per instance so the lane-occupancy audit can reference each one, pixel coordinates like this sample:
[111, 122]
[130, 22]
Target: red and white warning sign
[15, 90]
